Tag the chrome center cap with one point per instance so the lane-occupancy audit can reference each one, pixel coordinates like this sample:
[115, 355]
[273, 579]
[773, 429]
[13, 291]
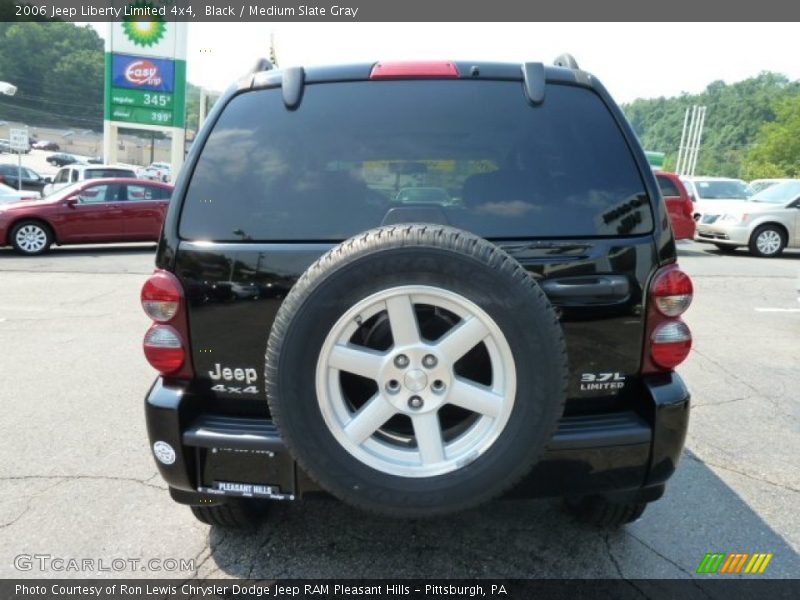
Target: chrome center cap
[415, 380]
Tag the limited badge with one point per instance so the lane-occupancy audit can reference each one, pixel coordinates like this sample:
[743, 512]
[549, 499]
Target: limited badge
[602, 381]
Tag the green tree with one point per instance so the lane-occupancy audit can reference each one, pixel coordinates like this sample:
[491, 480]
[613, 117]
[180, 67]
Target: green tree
[735, 114]
[776, 152]
[58, 70]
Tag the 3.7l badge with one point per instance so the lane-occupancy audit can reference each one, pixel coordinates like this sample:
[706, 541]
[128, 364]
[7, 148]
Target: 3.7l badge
[602, 381]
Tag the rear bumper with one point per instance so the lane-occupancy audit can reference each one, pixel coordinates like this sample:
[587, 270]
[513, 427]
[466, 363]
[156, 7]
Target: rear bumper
[624, 453]
[717, 234]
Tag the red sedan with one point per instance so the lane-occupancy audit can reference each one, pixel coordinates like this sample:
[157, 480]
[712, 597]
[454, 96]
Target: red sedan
[94, 211]
[679, 204]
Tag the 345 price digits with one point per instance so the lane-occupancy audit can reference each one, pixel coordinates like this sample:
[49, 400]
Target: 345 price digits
[159, 100]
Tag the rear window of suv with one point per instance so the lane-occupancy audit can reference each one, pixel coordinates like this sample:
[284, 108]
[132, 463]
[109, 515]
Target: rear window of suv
[474, 154]
[103, 173]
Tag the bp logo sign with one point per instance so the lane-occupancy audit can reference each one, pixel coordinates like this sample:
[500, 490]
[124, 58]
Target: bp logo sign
[146, 30]
[146, 67]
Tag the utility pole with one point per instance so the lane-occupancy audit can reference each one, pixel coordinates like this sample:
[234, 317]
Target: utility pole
[273, 54]
[693, 122]
[698, 138]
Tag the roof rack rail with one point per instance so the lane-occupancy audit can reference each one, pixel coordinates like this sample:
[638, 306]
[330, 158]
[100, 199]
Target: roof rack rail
[534, 78]
[567, 61]
[262, 64]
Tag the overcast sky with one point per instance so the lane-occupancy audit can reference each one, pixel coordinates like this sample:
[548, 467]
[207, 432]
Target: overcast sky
[634, 60]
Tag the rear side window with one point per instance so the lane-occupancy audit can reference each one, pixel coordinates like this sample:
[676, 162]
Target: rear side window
[474, 154]
[98, 193]
[102, 173]
[668, 187]
[143, 193]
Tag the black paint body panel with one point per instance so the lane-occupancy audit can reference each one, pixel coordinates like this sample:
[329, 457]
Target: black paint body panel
[611, 454]
[234, 291]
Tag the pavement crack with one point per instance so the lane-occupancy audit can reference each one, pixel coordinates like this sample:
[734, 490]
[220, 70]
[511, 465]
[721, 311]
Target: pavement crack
[256, 556]
[744, 474]
[618, 567]
[737, 378]
[207, 546]
[89, 299]
[63, 478]
[613, 558]
[29, 504]
[695, 406]
[733, 375]
[659, 554]
[689, 574]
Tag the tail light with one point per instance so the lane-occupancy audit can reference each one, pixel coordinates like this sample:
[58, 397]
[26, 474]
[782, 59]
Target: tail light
[162, 296]
[669, 340]
[688, 208]
[415, 70]
[166, 342]
[671, 290]
[164, 349]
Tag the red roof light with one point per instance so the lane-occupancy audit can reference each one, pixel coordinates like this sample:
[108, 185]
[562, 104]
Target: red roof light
[415, 70]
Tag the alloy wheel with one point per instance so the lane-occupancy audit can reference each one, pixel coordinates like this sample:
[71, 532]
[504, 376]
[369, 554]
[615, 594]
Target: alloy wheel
[416, 378]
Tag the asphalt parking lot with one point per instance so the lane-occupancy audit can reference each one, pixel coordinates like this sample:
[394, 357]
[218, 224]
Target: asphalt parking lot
[77, 479]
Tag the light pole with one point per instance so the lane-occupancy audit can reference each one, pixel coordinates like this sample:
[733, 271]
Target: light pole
[9, 90]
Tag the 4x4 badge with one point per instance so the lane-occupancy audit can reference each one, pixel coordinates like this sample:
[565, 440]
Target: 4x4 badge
[602, 381]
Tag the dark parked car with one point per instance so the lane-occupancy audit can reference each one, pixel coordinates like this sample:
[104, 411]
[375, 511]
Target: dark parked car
[94, 211]
[45, 145]
[31, 180]
[5, 146]
[518, 335]
[61, 159]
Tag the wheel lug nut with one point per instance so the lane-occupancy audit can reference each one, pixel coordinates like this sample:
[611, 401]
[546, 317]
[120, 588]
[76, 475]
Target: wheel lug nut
[438, 386]
[415, 402]
[401, 361]
[429, 361]
[393, 386]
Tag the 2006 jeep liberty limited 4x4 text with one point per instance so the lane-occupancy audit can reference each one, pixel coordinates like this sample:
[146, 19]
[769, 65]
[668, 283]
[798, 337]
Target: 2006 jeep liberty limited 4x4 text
[417, 287]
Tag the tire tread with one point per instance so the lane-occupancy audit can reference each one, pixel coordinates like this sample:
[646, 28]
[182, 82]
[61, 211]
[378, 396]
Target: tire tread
[402, 236]
[234, 514]
[605, 513]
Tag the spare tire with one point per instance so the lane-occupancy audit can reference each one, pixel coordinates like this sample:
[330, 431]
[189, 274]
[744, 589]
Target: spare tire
[416, 370]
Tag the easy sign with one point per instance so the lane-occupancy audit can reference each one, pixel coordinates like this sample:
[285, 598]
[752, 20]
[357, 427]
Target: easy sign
[141, 73]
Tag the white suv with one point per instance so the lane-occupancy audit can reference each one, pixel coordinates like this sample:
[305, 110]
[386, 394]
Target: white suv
[158, 171]
[706, 192]
[766, 223]
[72, 173]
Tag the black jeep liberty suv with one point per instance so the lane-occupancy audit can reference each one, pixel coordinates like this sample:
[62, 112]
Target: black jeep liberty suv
[417, 287]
